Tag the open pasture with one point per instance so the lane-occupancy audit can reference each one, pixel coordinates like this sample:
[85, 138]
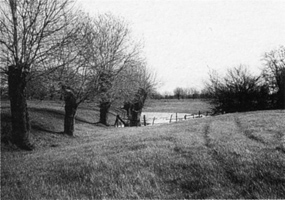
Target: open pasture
[178, 106]
[239, 155]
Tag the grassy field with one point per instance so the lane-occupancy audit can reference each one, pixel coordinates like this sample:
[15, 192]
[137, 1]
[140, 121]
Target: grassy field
[179, 106]
[239, 155]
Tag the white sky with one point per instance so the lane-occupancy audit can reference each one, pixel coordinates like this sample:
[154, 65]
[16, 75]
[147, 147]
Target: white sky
[183, 39]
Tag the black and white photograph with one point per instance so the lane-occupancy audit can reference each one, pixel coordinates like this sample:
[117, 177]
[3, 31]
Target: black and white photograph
[142, 99]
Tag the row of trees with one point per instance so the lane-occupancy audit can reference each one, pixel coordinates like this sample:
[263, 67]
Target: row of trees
[182, 93]
[188, 93]
[241, 91]
[47, 47]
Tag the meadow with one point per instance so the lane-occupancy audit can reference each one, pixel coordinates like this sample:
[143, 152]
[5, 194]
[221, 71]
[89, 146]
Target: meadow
[179, 106]
[240, 155]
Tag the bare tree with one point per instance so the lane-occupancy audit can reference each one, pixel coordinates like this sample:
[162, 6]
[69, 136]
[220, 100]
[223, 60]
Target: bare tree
[79, 79]
[192, 92]
[103, 49]
[115, 52]
[143, 85]
[274, 73]
[32, 33]
[178, 93]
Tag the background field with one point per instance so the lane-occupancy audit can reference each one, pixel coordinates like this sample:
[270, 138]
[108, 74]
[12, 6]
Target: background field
[239, 155]
[179, 106]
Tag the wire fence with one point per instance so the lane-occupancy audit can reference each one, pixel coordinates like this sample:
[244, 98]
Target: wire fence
[171, 118]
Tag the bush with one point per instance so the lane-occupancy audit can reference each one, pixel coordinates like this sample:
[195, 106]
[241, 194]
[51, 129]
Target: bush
[274, 74]
[238, 91]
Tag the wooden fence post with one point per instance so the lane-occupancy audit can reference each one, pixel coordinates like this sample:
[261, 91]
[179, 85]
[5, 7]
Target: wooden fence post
[119, 118]
[185, 117]
[144, 120]
[170, 119]
[116, 121]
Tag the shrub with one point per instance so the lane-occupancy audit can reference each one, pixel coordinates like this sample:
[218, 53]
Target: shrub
[238, 91]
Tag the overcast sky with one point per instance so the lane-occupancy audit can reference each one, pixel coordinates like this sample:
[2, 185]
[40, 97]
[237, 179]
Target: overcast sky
[183, 39]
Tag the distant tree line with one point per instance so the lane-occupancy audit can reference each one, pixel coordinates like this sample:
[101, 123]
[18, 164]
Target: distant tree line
[51, 51]
[181, 93]
[239, 90]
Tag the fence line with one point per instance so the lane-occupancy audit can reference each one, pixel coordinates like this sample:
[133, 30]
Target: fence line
[198, 115]
[119, 121]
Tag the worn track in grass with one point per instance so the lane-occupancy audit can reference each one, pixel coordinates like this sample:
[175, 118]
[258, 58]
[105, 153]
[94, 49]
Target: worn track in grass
[199, 158]
[230, 156]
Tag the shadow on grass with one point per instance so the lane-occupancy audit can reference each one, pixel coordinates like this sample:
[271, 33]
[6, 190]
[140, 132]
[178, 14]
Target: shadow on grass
[58, 114]
[38, 127]
[41, 119]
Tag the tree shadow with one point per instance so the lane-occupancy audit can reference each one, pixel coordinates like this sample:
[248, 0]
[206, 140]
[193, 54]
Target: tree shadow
[59, 114]
[37, 127]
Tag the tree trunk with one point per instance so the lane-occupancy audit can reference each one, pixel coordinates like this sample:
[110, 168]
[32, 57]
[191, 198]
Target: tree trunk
[70, 111]
[19, 111]
[104, 109]
[281, 92]
[136, 107]
[135, 119]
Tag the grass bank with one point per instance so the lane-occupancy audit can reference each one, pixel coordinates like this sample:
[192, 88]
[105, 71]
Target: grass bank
[238, 155]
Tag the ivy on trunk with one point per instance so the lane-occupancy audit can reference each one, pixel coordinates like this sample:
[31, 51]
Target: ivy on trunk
[281, 91]
[134, 108]
[104, 109]
[70, 111]
[19, 111]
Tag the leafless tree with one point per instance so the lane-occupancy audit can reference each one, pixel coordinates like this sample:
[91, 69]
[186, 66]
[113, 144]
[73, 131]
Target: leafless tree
[79, 79]
[32, 33]
[191, 92]
[274, 73]
[103, 49]
[144, 83]
[178, 92]
[115, 52]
